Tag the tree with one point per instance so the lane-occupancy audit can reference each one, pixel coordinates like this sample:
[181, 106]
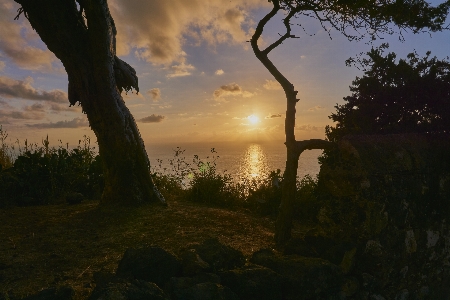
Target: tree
[82, 34]
[353, 19]
[411, 95]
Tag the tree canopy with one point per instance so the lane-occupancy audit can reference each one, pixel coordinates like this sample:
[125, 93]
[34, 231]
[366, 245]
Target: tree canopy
[395, 96]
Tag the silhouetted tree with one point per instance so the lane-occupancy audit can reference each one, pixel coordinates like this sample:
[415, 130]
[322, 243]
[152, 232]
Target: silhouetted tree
[353, 19]
[82, 34]
[411, 95]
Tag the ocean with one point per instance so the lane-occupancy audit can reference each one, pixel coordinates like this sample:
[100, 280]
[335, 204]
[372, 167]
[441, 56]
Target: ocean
[240, 160]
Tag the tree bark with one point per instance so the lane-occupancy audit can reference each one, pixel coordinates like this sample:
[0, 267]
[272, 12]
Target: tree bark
[87, 48]
[293, 148]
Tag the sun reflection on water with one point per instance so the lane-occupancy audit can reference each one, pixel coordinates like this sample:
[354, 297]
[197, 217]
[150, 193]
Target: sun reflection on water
[253, 164]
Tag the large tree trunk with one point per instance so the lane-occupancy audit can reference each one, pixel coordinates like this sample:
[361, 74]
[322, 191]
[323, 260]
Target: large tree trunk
[87, 48]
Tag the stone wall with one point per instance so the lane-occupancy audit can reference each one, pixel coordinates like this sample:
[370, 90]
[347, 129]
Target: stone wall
[390, 195]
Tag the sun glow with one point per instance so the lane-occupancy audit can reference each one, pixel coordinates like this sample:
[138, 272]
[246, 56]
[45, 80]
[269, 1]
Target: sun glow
[253, 119]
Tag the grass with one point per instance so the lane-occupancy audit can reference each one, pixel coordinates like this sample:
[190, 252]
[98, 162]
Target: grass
[57, 244]
[45, 246]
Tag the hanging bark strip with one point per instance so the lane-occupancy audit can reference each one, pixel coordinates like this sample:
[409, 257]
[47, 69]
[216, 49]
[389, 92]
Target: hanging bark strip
[84, 40]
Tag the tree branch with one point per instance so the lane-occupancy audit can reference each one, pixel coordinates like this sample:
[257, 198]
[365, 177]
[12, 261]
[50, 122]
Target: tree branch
[312, 144]
[262, 56]
[287, 24]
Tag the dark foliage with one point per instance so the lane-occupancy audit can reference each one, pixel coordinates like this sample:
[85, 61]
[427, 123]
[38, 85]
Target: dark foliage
[43, 175]
[406, 96]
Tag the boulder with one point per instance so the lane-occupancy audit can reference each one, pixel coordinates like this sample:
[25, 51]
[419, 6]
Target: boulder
[53, 293]
[254, 282]
[120, 288]
[207, 291]
[151, 264]
[192, 263]
[304, 277]
[178, 287]
[74, 198]
[219, 256]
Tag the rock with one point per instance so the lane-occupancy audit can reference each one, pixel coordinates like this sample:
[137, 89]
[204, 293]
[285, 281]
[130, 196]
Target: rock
[102, 278]
[74, 198]
[152, 264]
[300, 247]
[120, 288]
[305, 276]
[54, 293]
[192, 263]
[208, 291]
[377, 297]
[254, 282]
[402, 295]
[219, 256]
[350, 286]
[348, 261]
[318, 246]
[177, 287]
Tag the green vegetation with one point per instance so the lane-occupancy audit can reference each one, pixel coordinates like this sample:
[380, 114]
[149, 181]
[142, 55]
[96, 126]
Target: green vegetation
[43, 175]
[47, 175]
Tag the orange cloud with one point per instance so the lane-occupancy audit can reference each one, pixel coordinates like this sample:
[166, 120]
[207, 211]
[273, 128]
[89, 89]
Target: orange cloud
[152, 119]
[232, 89]
[22, 89]
[272, 85]
[155, 29]
[15, 46]
[155, 93]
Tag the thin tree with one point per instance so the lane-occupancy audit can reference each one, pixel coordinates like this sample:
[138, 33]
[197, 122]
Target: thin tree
[353, 19]
[82, 34]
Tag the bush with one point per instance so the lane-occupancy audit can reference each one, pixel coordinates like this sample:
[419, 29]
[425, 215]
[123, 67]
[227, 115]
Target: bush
[264, 197]
[44, 175]
[307, 205]
[207, 186]
[6, 157]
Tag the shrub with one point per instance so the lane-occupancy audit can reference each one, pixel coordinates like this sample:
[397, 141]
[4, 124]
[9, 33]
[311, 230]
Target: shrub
[43, 175]
[207, 186]
[307, 205]
[6, 157]
[264, 197]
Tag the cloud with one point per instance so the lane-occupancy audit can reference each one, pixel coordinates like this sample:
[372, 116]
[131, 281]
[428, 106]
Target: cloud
[22, 115]
[35, 107]
[152, 119]
[155, 93]
[315, 108]
[308, 127]
[15, 37]
[273, 116]
[75, 123]
[180, 70]
[2, 65]
[61, 107]
[272, 85]
[155, 29]
[11, 88]
[219, 72]
[232, 89]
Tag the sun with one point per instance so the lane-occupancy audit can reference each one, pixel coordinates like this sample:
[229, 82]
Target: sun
[253, 119]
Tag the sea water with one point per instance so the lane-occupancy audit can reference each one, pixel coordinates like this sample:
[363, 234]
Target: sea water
[240, 160]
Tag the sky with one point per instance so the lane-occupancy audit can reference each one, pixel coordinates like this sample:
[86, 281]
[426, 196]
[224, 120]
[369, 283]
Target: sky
[198, 77]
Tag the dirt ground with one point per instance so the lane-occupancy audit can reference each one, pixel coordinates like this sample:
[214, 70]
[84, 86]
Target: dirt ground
[47, 246]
